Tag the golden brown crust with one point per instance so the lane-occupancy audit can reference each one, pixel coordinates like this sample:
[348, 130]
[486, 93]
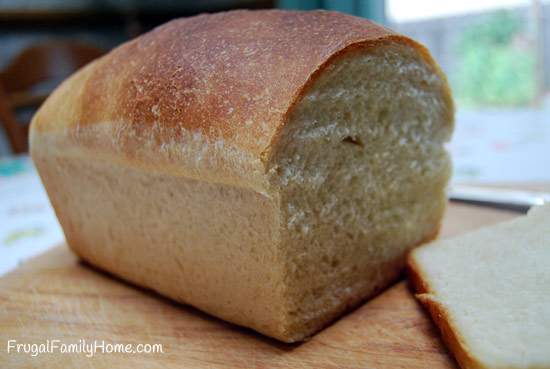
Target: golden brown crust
[440, 316]
[231, 77]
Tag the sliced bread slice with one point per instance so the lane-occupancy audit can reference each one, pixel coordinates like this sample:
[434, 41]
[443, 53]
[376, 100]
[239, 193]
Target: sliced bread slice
[489, 292]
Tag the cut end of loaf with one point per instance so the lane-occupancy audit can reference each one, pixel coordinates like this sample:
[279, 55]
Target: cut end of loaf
[362, 171]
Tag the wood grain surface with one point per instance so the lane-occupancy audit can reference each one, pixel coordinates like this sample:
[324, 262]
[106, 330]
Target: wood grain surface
[55, 297]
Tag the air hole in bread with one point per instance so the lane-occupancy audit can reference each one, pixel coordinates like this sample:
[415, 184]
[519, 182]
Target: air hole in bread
[353, 140]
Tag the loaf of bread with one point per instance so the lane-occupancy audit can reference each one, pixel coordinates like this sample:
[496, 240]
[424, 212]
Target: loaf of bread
[489, 292]
[271, 168]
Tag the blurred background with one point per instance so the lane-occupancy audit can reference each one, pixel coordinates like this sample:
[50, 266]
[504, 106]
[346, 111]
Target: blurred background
[496, 54]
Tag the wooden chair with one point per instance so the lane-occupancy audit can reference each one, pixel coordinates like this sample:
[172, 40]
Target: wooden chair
[35, 67]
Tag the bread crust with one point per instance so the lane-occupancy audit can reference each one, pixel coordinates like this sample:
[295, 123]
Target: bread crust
[440, 316]
[229, 79]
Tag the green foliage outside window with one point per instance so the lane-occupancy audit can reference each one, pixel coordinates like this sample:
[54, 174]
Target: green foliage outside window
[494, 68]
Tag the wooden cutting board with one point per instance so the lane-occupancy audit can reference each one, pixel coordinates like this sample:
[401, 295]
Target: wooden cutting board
[54, 297]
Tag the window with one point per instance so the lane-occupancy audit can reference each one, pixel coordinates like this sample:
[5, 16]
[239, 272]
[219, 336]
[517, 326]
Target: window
[496, 54]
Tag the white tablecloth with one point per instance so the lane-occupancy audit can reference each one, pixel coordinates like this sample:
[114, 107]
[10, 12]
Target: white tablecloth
[28, 225]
